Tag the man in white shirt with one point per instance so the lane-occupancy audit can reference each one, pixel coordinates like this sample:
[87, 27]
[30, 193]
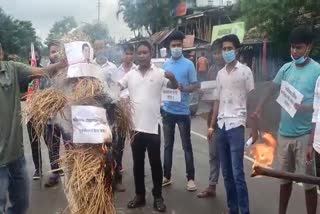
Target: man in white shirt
[234, 82]
[314, 140]
[145, 84]
[118, 138]
[107, 67]
[127, 62]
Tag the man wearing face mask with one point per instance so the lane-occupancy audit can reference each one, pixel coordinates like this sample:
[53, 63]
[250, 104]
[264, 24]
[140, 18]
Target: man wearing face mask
[234, 82]
[294, 132]
[214, 162]
[178, 112]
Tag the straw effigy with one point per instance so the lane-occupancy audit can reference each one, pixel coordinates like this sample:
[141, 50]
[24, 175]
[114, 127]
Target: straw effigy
[42, 106]
[88, 167]
[88, 187]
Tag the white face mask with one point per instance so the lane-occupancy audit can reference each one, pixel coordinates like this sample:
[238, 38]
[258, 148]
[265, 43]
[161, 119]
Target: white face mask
[176, 52]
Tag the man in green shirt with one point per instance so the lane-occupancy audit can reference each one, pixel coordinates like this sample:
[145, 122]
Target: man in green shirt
[14, 77]
[294, 131]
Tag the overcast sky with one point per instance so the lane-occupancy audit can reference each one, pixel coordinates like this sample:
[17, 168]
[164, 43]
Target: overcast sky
[43, 13]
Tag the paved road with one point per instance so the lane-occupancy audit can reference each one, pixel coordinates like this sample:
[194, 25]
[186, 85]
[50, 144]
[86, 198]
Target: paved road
[263, 191]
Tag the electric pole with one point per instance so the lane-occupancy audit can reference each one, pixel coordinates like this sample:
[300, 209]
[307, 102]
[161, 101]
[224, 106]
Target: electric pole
[99, 8]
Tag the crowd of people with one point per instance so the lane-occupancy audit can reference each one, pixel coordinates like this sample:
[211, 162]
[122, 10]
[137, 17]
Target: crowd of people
[142, 83]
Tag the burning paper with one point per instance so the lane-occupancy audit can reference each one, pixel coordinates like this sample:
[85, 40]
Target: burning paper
[263, 153]
[90, 125]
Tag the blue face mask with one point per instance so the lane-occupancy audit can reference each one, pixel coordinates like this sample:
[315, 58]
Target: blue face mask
[229, 56]
[299, 60]
[176, 52]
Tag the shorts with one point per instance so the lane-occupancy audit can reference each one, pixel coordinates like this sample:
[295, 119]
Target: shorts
[291, 154]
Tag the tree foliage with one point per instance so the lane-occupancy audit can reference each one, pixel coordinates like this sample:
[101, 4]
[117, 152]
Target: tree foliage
[275, 19]
[60, 28]
[149, 15]
[16, 35]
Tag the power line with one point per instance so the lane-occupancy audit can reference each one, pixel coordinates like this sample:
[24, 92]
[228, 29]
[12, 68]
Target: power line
[99, 8]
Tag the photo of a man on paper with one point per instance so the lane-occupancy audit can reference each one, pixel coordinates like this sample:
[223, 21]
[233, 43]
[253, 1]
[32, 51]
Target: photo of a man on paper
[79, 52]
[86, 52]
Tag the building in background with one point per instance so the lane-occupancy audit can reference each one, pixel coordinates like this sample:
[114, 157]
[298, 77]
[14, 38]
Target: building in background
[215, 3]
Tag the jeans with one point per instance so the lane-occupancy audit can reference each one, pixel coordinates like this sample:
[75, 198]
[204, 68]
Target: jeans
[231, 152]
[184, 124]
[52, 136]
[151, 143]
[34, 143]
[118, 142]
[14, 180]
[214, 161]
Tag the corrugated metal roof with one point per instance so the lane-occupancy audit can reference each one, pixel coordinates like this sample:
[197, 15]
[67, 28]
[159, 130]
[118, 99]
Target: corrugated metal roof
[160, 36]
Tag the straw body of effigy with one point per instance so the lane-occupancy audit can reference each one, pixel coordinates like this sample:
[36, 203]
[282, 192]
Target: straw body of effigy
[42, 106]
[88, 167]
[88, 186]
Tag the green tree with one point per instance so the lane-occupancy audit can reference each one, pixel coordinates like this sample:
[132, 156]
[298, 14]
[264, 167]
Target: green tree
[148, 15]
[60, 28]
[16, 35]
[275, 19]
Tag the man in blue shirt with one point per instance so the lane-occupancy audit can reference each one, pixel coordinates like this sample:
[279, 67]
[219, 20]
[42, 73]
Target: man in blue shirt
[178, 112]
[294, 132]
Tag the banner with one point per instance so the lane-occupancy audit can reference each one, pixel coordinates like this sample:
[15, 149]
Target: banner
[237, 28]
[90, 125]
[289, 96]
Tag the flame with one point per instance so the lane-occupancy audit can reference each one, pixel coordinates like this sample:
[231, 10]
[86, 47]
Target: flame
[263, 153]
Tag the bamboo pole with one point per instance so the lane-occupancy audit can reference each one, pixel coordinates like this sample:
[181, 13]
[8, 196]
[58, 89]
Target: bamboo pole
[300, 178]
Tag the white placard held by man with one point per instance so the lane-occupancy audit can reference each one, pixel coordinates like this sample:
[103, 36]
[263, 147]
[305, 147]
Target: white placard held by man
[173, 95]
[289, 96]
[208, 89]
[90, 125]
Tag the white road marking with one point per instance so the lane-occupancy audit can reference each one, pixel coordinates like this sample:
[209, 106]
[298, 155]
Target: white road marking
[245, 156]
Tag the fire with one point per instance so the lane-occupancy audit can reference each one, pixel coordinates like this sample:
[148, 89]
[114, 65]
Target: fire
[263, 153]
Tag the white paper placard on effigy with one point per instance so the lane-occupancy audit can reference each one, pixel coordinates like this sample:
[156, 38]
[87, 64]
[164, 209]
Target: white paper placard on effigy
[173, 95]
[288, 97]
[208, 88]
[78, 51]
[86, 70]
[90, 125]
